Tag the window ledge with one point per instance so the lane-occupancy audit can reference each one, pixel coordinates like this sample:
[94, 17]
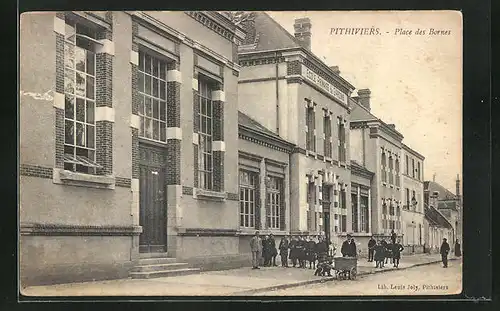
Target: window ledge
[203, 194]
[262, 232]
[384, 183]
[392, 186]
[83, 180]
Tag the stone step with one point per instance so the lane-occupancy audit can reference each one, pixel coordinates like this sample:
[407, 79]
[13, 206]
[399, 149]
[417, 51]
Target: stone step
[160, 267]
[155, 261]
[165, 273]
[153, 255]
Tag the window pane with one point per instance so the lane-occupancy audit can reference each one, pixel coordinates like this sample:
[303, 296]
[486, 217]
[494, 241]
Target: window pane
[148, 106]
[156, 128]
[155, 109]
[209, 107]
[90, 87]
[69, 107]
[147, 64]
[69, 81]
[80, 134]
[80, 109]
[90, 112]
[91, 154]
[155, 67]
[163, 90]
[147, 87]
[141, 61]
[69, 55]
[209, 127]
[69, 132]
[163, 115]
[140, 82]
[80, 59]
[80, 84]
[141, 104]
[203, 106]
[163, 67]
[90, 63]
[242, 217]
[90, 136]
[163, 134]
[141, 130]
[149, 128]
[155, 87]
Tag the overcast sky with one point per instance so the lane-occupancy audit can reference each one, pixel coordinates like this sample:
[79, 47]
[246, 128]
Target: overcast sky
[415, 80]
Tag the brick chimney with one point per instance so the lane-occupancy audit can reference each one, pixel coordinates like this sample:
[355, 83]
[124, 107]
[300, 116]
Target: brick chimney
[302, 28]
[364, 98]
[335, 69]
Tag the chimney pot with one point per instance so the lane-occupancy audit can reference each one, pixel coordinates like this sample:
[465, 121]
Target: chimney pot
[364, 98]
[302, 27]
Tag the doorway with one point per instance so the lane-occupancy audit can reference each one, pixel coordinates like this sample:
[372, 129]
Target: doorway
[152, 198]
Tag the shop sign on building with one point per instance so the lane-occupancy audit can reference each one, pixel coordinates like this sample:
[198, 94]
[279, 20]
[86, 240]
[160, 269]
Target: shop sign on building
[323, 84]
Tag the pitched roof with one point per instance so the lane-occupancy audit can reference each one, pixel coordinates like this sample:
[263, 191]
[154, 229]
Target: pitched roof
[271, 34]
[359, 113]
[435, 217]
[245, 120]
[444, 194]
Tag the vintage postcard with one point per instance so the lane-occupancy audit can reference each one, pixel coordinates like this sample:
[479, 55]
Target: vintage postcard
[240, 153]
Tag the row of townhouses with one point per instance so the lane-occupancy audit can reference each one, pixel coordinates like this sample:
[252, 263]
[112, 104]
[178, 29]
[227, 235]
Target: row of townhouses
[177, 135]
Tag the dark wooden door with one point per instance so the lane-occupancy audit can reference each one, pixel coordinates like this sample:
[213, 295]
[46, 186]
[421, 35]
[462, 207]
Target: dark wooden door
[153, 207]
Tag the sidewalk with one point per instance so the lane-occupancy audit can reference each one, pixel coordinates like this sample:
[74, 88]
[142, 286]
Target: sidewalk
[242, 281]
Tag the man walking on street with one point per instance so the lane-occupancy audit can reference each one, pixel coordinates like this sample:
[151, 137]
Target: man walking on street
[397, 248]
[256, 248]
[371, 248]
[272, 250]
[444, 250]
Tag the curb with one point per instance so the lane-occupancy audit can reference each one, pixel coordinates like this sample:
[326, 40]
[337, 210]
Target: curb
[326, 279]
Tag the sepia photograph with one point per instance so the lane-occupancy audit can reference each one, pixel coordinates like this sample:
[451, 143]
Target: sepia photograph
[240, 153]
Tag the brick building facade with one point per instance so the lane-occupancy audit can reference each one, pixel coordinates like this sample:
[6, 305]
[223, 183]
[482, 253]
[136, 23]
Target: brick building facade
[109, 172]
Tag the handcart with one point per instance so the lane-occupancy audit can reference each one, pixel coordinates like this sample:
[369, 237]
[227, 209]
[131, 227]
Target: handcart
[346, 268]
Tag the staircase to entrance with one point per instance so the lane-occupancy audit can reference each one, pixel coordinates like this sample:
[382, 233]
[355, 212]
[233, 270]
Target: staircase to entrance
[157, 265]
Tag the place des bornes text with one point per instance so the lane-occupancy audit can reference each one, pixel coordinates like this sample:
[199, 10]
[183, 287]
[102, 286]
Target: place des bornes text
[376, 31]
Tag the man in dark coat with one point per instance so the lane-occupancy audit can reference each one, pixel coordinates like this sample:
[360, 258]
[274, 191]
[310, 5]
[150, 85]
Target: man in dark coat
[458, 250]
[322, 249]
[397, 248]
[301, 251]
[379, 257]
[384, 245]
[444, 250]
[371, 250]
[293, 250]
[349, 247]
[273, 252]
[266, 253]
[311, 252]
[284, 244]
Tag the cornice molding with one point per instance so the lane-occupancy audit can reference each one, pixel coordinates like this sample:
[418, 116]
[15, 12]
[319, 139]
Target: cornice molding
[263, 139]
[146, 18]
[219, 24]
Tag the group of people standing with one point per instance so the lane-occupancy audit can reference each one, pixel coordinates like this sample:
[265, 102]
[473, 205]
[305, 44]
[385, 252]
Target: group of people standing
[301, 250]
[381, 251]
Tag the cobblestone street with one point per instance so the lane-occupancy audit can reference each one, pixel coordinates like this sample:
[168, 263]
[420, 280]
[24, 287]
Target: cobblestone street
[423, 280]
